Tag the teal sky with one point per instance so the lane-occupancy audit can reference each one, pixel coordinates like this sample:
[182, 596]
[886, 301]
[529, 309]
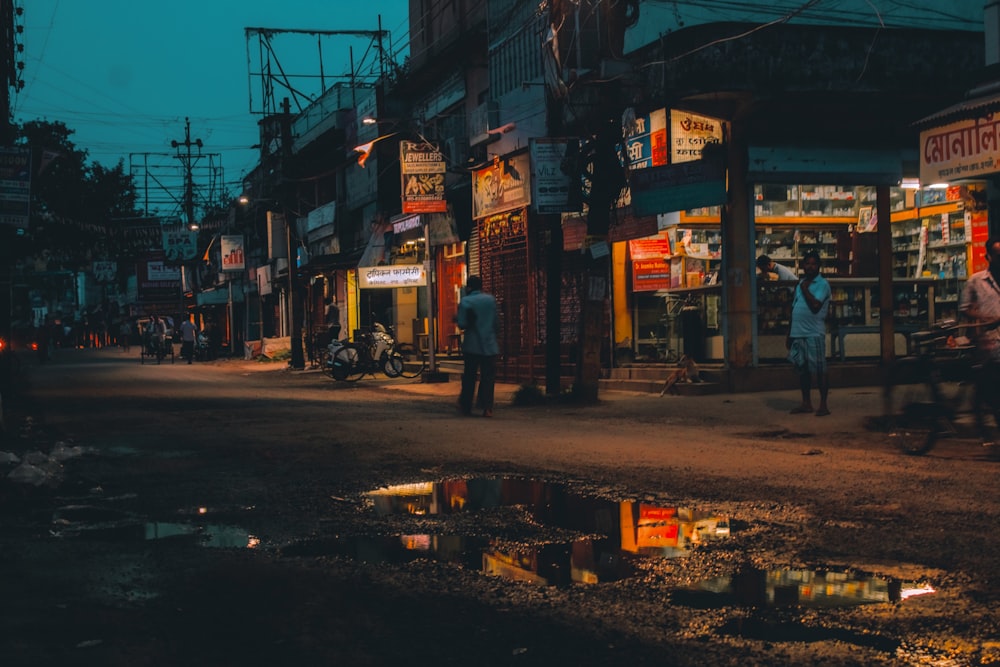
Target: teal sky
[125, 73]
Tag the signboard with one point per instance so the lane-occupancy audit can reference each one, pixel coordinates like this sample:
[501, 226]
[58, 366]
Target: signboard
[656, 247]
[646, 140]
[963, 149]
[104, 271]
[678, 187]
[232, 252]
[399, 275]
[552, 174]
[690, 133]
[406, 224]
[180, 245]
[15, 186]
[649, 275]
[422, 169]
[156, 280]
[503, 186]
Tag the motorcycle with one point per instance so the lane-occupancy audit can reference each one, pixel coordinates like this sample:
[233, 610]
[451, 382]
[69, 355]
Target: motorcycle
[375, 351]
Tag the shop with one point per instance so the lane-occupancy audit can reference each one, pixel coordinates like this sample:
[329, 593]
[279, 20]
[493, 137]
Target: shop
[413, 266]
[935, 232]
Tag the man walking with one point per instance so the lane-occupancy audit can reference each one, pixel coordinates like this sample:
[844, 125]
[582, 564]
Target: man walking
[189, 336]
[477, 317]
[806, 340]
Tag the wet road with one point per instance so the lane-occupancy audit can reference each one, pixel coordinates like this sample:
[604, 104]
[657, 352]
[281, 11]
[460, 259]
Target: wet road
[276, 469]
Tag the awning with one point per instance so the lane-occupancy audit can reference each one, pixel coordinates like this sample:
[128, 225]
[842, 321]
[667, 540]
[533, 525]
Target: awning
[218, 296]
[824, 166]
[972, 108]
[375, 251]
[332, 262]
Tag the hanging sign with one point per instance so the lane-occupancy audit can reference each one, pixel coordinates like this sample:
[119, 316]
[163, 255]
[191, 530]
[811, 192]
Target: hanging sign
[180, 245]
[690, 133]
[232, 252]
[422, 169]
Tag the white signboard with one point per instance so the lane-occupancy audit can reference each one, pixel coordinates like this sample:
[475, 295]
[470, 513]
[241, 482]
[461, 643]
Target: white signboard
[551, 181]
[400, 275]
[232, 252]
[965, 149]
[690, 133]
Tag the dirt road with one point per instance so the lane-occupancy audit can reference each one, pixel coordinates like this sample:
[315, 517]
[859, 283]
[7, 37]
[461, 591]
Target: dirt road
[219, 516]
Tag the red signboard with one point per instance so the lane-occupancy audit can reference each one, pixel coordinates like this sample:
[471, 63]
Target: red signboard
[649, 275]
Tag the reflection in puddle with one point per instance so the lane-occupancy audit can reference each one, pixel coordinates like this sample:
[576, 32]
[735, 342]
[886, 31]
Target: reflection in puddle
[114, 527]
[803, 588]
[208, 535]
[558, 564]
[621, 528]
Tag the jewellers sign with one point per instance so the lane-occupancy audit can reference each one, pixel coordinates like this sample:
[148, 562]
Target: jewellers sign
[399, 275]
[965, 149]
[422, 168]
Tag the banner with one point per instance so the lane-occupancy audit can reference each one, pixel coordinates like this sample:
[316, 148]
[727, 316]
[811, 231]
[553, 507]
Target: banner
[232, 252]
[422, 168]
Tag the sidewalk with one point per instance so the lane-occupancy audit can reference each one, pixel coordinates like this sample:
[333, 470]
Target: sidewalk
[851, 408]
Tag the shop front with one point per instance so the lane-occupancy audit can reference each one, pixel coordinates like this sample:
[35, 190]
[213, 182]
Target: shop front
[671, 288]
[935, 233]
[414, 266]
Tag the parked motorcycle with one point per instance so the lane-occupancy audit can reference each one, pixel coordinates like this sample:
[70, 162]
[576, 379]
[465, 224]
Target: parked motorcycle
[375, 351]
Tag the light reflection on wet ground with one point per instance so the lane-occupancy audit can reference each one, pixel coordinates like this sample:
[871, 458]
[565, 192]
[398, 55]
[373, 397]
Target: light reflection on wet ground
[797, 587]
[607, 540]
[611, 533]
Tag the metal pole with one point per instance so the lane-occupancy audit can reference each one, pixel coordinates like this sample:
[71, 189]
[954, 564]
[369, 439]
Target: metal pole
[431, 309]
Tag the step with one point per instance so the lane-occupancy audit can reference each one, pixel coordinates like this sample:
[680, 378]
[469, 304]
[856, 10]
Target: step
[656, 386]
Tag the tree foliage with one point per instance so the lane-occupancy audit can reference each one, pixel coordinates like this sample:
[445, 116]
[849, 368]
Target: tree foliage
[73, 202]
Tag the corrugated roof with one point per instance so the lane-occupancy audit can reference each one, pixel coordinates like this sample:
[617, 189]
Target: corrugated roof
[971, 108]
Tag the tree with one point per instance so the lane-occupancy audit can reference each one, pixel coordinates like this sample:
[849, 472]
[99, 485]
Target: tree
[73, 202]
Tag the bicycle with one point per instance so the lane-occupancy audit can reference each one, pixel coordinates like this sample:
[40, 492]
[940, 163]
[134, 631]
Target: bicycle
[155, 347]
[375, 351]
[937, 390]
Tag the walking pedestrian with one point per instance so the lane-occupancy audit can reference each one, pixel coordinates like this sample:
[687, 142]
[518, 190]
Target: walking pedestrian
[980, 304]
[477, 318]
[189, 336]
[806, 340]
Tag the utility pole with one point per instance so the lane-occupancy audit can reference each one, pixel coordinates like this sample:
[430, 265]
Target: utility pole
[188, 161]
[294, 304]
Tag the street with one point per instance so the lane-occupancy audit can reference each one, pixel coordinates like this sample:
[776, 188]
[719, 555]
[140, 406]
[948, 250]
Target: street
[220, 514]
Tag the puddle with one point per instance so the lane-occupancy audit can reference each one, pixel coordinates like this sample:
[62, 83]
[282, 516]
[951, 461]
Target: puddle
[801, 588]
[611, 532]
[583, 561]
[615, 533]
[638, 527]
[207, 535]
[90, 522]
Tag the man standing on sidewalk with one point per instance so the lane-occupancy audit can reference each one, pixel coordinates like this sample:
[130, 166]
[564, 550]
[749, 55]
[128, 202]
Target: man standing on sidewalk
[477, 318]
[806, 341]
